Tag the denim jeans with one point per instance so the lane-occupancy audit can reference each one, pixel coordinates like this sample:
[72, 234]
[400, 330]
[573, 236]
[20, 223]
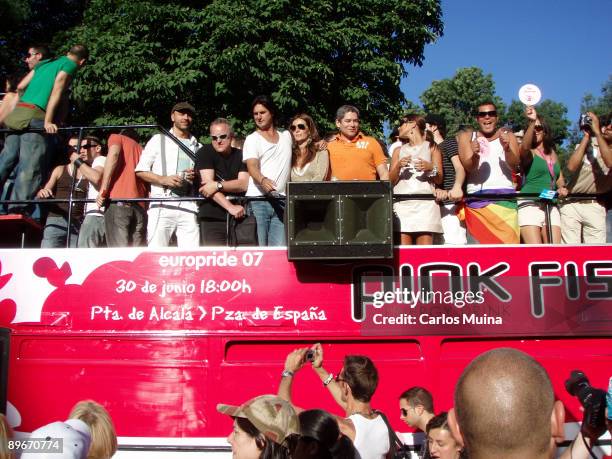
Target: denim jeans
[55, 234]
[92, 232]
[125, 225]
[27, 153]
[270, 222]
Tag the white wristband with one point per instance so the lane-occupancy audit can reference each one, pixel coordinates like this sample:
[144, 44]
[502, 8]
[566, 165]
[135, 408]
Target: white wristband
[330, 378]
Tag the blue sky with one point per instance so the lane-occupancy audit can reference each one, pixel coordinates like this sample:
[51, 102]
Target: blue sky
[562, 46]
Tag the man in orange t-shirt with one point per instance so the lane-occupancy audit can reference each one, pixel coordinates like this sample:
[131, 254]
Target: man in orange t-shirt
[124, 221]
[352, 155]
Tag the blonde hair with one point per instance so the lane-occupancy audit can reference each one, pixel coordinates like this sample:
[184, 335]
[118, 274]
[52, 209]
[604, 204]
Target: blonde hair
[6, 434]
[103, 436]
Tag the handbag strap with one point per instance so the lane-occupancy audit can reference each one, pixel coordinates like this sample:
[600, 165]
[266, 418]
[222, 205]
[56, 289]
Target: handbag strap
[394, 442]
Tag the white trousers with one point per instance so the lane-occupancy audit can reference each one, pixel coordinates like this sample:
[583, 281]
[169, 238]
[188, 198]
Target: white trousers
[164, 222]
[454, 229]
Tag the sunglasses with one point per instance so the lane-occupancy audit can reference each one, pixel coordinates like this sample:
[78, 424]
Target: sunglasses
[339, 378]
[538, 128]
[32, 54]
[219, 138]
[300, 126]
[89, 145]
[491, 113]
[404, 412]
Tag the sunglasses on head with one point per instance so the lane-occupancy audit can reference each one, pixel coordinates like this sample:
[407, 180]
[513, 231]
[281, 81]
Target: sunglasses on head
[219, 138]
[491, 113]
[300, 126]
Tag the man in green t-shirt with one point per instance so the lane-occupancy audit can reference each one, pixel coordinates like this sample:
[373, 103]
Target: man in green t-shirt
[38, 108]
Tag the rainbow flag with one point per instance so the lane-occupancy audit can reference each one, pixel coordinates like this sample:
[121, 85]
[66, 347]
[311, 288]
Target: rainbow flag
[492, 222]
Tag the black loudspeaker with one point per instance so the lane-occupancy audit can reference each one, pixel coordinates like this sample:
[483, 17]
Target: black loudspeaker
[339, 220]
[5, 338]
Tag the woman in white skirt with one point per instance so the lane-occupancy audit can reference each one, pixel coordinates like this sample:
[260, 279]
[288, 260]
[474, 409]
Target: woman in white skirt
[415, 167]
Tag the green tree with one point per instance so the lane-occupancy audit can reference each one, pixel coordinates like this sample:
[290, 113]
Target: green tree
[555, 114]
[25, 22]
[600, 105]
[457, 98]
[313, 56]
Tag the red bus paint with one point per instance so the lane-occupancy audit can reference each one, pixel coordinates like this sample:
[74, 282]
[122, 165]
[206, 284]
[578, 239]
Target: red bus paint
[159, 338]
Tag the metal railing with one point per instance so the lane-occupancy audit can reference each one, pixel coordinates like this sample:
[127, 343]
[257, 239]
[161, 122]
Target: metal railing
[396, 197]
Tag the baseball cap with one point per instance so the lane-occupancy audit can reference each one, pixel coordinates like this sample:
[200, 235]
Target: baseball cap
[75, 435]
[183, 107]
[271, 415]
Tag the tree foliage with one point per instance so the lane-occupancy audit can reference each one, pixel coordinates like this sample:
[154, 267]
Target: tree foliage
[219, 54]
[457, 98]
[26, 22]
[600, 105]
[555, 114]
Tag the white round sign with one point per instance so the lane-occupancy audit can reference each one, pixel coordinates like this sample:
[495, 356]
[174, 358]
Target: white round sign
[530, 94]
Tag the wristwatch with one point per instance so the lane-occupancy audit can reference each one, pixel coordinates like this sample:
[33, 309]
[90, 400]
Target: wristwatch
[219, 186]
[287, 373]
[433, 171]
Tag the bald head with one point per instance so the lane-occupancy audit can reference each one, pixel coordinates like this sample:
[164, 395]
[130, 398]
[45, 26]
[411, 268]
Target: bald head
[504, 402]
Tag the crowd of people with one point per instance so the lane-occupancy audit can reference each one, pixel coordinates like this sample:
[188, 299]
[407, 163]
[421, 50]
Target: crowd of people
[448, 190]
[504, 407]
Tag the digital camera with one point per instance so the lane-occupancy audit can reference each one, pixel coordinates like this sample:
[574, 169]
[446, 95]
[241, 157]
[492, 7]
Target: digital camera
[594, 402]
[585, 121]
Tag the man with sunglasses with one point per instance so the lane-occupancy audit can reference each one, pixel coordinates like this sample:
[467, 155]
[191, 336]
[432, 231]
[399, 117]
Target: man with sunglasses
[36, 53]
[92, 232]
[170, 172]
[352, 389]
[416, 410]
[589, 170]
[490, 156]
[222, 173]
[39, 108]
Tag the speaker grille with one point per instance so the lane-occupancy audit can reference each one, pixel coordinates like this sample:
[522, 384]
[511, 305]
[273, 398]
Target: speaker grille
[339, 220]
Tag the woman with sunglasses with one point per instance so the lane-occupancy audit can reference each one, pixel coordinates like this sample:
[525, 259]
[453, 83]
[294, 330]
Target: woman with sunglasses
[415, 167]
[308, 163]
[542, 173]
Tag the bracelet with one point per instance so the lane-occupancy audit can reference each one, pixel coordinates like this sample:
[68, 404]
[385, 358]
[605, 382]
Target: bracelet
[78, 162]
[329, 379]
[287, 373]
